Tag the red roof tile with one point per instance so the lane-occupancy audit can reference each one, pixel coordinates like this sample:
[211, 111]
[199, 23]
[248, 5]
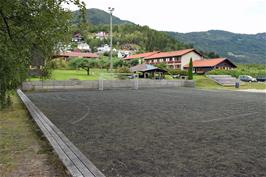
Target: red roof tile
[207, 62]
[141, 55]
[170, 54]
[77, 54]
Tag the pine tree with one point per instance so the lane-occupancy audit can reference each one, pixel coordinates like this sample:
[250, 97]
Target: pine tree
[190, 70]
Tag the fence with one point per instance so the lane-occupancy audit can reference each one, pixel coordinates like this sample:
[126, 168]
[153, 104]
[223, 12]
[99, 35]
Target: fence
[104, 84]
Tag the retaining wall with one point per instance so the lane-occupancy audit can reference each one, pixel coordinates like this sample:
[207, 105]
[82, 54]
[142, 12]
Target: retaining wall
[104, 84]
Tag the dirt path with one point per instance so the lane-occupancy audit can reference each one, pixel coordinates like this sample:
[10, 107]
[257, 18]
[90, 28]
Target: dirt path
[23, 152]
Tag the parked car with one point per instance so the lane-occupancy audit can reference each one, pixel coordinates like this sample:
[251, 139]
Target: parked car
[175, 76]
[246, 78]
[261, 78]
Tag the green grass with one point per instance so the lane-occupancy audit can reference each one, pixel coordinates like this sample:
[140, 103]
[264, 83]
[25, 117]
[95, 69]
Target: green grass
[204, 82]
[75, 74]
[20, 145]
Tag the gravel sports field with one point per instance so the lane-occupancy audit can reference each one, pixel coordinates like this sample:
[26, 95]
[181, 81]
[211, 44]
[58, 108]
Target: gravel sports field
[163, 132]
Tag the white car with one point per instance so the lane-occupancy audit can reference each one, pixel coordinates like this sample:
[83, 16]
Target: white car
[246, 78]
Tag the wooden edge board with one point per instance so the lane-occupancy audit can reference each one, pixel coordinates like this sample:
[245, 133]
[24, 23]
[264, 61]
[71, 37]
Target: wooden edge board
[61, 154]
[61, 144]
[94, 170]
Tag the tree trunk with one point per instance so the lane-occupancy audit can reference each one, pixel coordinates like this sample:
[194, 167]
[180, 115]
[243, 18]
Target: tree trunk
[88, 71]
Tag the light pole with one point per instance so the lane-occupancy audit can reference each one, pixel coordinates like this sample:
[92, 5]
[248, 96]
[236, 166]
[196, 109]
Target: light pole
[111, 37]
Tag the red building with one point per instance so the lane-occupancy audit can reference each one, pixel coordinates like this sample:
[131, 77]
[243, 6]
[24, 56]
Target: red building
[203, 66]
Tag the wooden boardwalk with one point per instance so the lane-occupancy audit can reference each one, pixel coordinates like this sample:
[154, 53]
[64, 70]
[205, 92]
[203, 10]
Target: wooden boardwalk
[76, 163]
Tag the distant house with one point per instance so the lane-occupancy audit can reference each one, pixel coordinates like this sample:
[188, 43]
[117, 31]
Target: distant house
[77, 37]
[173, 59]
[124, 53]
[105, 49]
[203, 66]
[101, 35]
[83, 46]
[67, 55]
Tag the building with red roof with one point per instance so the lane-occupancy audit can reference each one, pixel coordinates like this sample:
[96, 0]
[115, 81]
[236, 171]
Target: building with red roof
[203, 66]
[173, 59]
[67, 55]
[140, 56]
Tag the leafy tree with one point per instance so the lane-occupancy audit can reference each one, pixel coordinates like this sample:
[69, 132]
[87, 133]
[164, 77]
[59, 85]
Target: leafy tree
[190, 70]
[27, 27]
[104, 63]
[119, 63]
[122, 69]
[83, 63]
[134, 62]
[161, 66]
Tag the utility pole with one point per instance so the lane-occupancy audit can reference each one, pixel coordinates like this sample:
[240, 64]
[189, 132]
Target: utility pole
[111, 37]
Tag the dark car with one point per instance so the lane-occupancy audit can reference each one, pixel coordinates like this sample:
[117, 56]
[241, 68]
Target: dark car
[246, 78]
[261, 78]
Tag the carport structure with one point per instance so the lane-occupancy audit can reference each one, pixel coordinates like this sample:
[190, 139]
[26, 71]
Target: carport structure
[148, 71]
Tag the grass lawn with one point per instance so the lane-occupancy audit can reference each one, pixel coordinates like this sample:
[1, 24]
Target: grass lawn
[75, 74]
[22, 151]
[206, 83]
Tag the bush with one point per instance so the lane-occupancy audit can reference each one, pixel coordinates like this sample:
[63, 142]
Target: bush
[134, 62]
[161, 66]
[57, 64]
[177, 72]
[122, 69]
[118, 63]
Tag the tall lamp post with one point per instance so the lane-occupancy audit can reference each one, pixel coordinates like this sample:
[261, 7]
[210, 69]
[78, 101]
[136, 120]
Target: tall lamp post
[111, 37]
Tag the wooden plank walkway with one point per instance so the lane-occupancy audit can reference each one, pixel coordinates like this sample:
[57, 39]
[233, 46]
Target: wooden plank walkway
[75, 161]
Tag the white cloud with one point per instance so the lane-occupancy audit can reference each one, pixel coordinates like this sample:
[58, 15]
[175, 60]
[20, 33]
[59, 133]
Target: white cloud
[241, 16]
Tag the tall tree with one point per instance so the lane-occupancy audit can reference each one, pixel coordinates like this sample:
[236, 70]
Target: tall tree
[27, 26]
[190, 70]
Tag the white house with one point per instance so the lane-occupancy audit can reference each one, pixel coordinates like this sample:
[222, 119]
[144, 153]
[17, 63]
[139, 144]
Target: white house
[84, 46]
[173, 59]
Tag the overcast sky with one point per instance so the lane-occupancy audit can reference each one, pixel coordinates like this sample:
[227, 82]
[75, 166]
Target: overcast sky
[239, 16]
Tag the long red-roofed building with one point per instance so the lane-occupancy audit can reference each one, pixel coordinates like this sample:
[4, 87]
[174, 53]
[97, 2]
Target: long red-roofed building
[67, 55]
[173, 59]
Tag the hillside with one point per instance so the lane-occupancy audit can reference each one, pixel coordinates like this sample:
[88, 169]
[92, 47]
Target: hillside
[126, 35]
[98, 17]
[241, 48]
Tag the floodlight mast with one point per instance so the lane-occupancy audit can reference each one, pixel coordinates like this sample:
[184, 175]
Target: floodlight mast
[111, 37]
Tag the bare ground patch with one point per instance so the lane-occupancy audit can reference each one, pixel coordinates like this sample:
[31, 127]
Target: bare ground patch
[163, 132]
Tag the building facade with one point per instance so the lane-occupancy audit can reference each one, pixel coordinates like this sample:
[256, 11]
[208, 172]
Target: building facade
[203, 66]
[174, 59]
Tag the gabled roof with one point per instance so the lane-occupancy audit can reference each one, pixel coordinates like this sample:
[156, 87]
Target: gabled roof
[141, 55]
[171, 54]
[143, 68]
[77, 54]
[209, 62]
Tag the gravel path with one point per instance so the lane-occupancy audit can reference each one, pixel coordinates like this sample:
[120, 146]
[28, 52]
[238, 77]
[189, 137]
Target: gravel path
[163, 132]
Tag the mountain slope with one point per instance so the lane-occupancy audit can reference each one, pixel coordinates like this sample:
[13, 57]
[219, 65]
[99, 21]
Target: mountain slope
[98, 17]
[241, 48]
